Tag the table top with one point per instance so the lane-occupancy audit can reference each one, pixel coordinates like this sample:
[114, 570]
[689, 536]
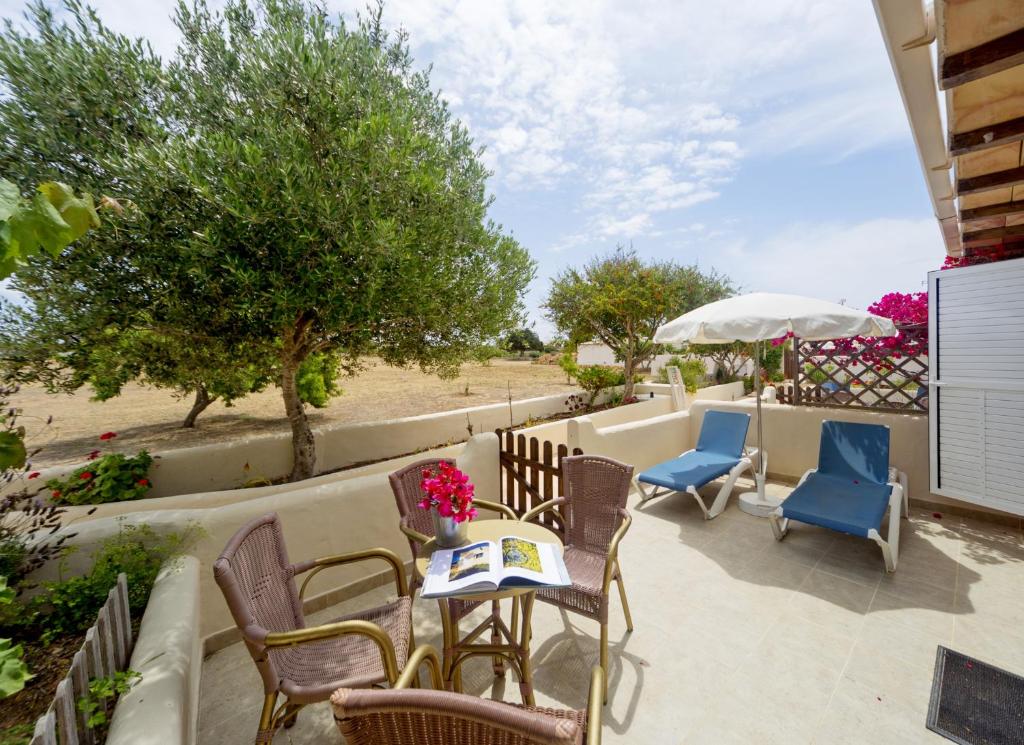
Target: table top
[492, 530]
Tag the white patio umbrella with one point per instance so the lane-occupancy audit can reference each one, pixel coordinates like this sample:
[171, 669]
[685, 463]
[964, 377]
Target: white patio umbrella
[761, 316]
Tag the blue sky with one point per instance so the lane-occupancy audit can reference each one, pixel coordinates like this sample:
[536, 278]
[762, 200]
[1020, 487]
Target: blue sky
[764, 139]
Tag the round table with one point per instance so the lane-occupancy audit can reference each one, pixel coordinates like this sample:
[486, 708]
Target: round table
[511, 644]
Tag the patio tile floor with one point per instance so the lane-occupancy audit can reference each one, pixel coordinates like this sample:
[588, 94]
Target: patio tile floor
[739, 639]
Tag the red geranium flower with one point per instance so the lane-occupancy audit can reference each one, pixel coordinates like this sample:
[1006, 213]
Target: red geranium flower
[108, 436]
[55, 494]
[143, 482]
[94, 455]
[86, 476]
[34, 475]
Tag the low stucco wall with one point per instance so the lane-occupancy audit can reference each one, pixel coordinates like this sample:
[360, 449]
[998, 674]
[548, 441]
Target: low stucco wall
[330, 518]
[642, 444]
[228, 465]
[163, 707]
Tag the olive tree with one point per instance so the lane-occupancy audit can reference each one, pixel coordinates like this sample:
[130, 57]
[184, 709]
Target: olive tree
[118, 305]
[350, 206]
[621, 300]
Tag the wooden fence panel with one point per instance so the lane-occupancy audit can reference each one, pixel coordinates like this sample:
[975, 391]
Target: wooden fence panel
[46, 730]
[532, 472]
[106, 650]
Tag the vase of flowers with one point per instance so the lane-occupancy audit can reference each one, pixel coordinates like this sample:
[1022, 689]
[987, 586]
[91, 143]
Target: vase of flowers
[448, 494]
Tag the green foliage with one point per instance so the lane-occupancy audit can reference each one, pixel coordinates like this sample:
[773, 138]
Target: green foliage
[814, 374]
[104, 311]
[113, 477]
[98, 701]
[693, 371]
[18, 734]
[318, 379]
[70, 606]
[13, 670]
[12, 449]
[484, 353]
[523, 340]
[729, 358]
[46, 223]
[568, 364]
[595, 379]
[622, 300]
[292, 186]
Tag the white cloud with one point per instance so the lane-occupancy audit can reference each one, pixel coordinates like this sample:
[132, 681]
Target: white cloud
[856, 262]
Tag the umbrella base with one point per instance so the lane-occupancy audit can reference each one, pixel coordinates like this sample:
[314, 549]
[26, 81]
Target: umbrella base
[758, 505]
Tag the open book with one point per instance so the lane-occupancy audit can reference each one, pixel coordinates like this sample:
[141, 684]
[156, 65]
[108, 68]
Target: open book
[491, 565]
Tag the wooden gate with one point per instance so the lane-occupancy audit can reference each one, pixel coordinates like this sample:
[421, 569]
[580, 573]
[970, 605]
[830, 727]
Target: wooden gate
[531, 474]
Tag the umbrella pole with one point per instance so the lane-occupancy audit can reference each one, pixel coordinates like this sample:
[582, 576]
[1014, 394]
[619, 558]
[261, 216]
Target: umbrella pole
[759, 478]
[756, 502]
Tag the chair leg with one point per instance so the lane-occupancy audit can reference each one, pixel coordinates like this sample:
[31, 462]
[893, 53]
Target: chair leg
[291, 716]
[625, 603]
[266, 732]
[604, 657]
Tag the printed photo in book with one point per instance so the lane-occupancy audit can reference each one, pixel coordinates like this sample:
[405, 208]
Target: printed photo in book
[488, 566]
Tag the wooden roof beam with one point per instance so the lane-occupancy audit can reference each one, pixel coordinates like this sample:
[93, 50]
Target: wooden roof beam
[1012, 234]
[985, 59]
[992, 210]
[984, 137]
[989, 181]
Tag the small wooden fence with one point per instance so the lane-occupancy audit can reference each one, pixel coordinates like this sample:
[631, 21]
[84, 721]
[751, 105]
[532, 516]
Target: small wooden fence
[107, 649]
[531, 474]
[864, 373]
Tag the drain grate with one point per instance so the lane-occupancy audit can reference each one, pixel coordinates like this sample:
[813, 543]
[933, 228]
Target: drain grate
[974, 703]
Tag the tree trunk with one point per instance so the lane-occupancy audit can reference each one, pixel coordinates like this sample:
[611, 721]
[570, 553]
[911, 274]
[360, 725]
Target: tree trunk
[628, 363]
[203, 399]
[303, 445]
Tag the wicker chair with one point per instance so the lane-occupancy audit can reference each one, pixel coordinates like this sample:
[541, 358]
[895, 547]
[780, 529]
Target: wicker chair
[418, 527]
[595, 518]
[306, 664]
[400, 716]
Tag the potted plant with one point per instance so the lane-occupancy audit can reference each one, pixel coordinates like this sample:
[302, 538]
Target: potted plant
[448, 494]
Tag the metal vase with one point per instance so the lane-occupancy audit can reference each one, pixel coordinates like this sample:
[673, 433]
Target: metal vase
[447, 532]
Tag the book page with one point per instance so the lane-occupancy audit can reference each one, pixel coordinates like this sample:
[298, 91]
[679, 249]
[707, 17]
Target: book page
[530, 562]
[473, 567]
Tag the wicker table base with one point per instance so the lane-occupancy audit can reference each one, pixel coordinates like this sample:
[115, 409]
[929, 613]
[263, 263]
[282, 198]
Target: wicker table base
[511, 645]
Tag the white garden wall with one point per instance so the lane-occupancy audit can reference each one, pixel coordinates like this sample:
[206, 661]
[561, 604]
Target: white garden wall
[329, 518]
[228, 465]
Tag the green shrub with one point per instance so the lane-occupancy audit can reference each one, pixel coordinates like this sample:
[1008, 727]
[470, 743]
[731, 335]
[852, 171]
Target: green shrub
[110, 478]
[815, 375]
[317, 379]
[70, 606]
[568, 364]
[694, 372]
[13, 670]
[594, 379]
[103, 693]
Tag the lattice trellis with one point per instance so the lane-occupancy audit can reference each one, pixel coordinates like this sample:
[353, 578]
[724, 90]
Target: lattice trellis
[864, 373]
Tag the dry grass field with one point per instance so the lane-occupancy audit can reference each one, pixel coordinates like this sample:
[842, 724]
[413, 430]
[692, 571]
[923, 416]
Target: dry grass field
[151, 418]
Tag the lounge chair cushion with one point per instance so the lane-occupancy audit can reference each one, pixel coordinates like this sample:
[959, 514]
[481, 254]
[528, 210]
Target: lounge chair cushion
[692, 469]
[723, 432]
[847, 505]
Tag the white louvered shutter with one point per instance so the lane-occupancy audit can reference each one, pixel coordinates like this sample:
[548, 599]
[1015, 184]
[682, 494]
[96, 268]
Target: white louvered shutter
[976, 384]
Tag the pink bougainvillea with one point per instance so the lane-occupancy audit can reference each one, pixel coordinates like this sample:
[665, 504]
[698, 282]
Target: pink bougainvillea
[909, 310]
[450, 491]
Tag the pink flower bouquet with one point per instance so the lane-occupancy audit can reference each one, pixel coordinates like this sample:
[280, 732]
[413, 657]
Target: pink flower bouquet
[449, 491]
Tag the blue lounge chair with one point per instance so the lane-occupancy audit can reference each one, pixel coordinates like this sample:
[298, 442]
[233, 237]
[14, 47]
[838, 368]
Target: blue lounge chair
[720, 451]
[850, 489]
